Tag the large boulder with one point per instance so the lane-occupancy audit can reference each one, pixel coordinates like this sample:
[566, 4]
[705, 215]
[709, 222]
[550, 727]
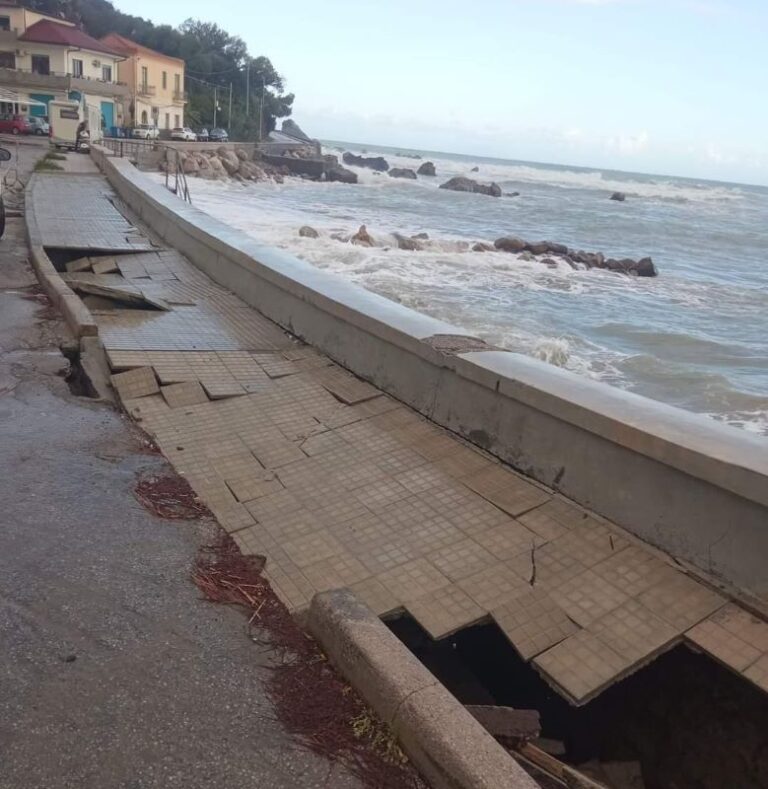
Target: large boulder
[341, 174]
[461, 184]
[241, 155]
[230, 164]
[481, 246]
[308, 232]
[362, 238]
[402, 172]
[636, 268]
[408, 244]
[190, 166]
[371, 162]
[428, 168]
[291, 127]
[510, 244]
[620, 197]
[537, 247]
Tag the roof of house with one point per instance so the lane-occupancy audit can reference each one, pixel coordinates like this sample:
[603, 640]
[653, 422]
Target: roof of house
[125, 46]
[48, 32]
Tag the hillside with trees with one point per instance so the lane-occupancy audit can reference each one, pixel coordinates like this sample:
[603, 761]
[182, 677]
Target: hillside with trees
[213, 57]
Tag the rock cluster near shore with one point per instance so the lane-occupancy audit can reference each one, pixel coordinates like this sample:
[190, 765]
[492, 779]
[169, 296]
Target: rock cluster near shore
[462, 184]
[222, 164]
[547, 253]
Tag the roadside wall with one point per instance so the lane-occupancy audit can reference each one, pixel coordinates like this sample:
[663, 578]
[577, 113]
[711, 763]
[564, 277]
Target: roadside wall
[682, 482]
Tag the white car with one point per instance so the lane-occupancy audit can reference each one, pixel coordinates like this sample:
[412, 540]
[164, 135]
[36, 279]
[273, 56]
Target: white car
[146, 132]
[185, 135]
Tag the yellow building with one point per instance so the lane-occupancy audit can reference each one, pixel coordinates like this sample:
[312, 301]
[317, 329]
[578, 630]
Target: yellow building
[155, 83]
[43, 58]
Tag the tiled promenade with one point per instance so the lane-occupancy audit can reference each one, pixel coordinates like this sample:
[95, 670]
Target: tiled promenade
[337, 484]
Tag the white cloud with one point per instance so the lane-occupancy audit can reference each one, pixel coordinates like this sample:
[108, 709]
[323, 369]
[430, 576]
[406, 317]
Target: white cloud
[629, 144]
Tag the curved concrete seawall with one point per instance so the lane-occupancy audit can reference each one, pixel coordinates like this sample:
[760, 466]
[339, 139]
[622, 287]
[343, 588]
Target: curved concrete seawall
[682, 482]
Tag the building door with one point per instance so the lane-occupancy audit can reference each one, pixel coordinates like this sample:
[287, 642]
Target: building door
[36, 111]
[108, 113]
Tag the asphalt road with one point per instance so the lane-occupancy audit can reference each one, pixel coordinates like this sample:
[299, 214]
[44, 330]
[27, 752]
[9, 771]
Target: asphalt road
[113, 671]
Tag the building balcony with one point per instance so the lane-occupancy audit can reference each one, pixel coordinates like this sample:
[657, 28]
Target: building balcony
[146, 90]
[97, 87]
[18, 78]
[8, 37]
[180, 97]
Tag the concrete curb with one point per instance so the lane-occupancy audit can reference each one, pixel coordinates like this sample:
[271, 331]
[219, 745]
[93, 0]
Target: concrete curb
[76, 314]
[448, 746]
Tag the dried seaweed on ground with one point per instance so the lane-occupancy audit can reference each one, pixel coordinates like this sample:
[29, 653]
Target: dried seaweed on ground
[170, 496]
[310, 698]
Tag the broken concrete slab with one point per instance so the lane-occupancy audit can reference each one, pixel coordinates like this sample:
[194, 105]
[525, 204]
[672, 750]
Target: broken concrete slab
[132, 297]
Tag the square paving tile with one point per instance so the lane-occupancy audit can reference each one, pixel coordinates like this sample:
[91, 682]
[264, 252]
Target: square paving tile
[135, 383]
[462, 559]
[745, 626]
[423, 478]
[413, 580]
[680, 600]
[312, 547]
[494, 586]
[377, 496]
[256, 486]
[633, 569]
[336, 572]
[723, 645]
[533, 622]
[188, 393]
[509, 540]
[445, 611]
[506, 490]
[591, 542]
[587, 597]
[582, 666]
[633, 632]
[400, 461]
[433, 534]
[550, 565]
[376, 596]
[345, 386]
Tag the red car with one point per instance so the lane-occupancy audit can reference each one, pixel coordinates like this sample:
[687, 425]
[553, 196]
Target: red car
[15, 124]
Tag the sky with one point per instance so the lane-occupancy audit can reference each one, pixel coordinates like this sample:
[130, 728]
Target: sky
[675, 87]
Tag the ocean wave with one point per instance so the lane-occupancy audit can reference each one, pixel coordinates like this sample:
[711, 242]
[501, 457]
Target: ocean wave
[515, 174]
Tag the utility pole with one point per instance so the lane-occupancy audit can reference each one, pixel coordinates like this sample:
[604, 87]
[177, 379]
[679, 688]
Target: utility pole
[229, 129]
[261, 112]
[215, 104]
[248, 89]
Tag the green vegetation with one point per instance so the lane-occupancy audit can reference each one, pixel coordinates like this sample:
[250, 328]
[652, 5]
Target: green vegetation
[48, 162]
[56, 157]
[212, 56]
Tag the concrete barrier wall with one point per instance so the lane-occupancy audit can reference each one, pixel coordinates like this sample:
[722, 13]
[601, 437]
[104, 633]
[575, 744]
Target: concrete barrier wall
[682, 482]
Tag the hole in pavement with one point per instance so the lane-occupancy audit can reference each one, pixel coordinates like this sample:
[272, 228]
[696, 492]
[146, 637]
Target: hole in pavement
[77, 378]
[60, 257]
[684, 720]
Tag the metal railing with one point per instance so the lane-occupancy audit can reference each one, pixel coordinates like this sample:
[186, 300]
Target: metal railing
[175, 177]
[146, 90]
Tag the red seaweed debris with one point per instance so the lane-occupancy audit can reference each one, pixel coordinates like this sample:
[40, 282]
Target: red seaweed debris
[310, 698]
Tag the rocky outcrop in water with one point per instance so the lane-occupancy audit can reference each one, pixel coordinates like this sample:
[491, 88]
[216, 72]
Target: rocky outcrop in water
[336, 172]
[428, 168]
[402, 172]
[308, 232]
[362, 238]
[549, 253]
[461, 184]
[371, 162]
[619, 197]
[408, 244]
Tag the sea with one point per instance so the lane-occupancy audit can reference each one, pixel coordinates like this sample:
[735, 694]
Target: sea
[695, 337]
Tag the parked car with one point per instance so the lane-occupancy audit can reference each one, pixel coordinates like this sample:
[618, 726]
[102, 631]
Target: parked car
[146, 131]
[40, 126]
[202, 135]
[218, 135]
[15, 124]
[183, 134]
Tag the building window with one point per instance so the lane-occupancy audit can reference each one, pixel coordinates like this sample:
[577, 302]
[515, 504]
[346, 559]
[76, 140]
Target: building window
[7, 60]
[177, 121]
[5, 23]
[165, 80]
[144, 77]
[106, 73]
[167, 120]
[144, 117]
[41, 64]
[177, 83]
[77, 67]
